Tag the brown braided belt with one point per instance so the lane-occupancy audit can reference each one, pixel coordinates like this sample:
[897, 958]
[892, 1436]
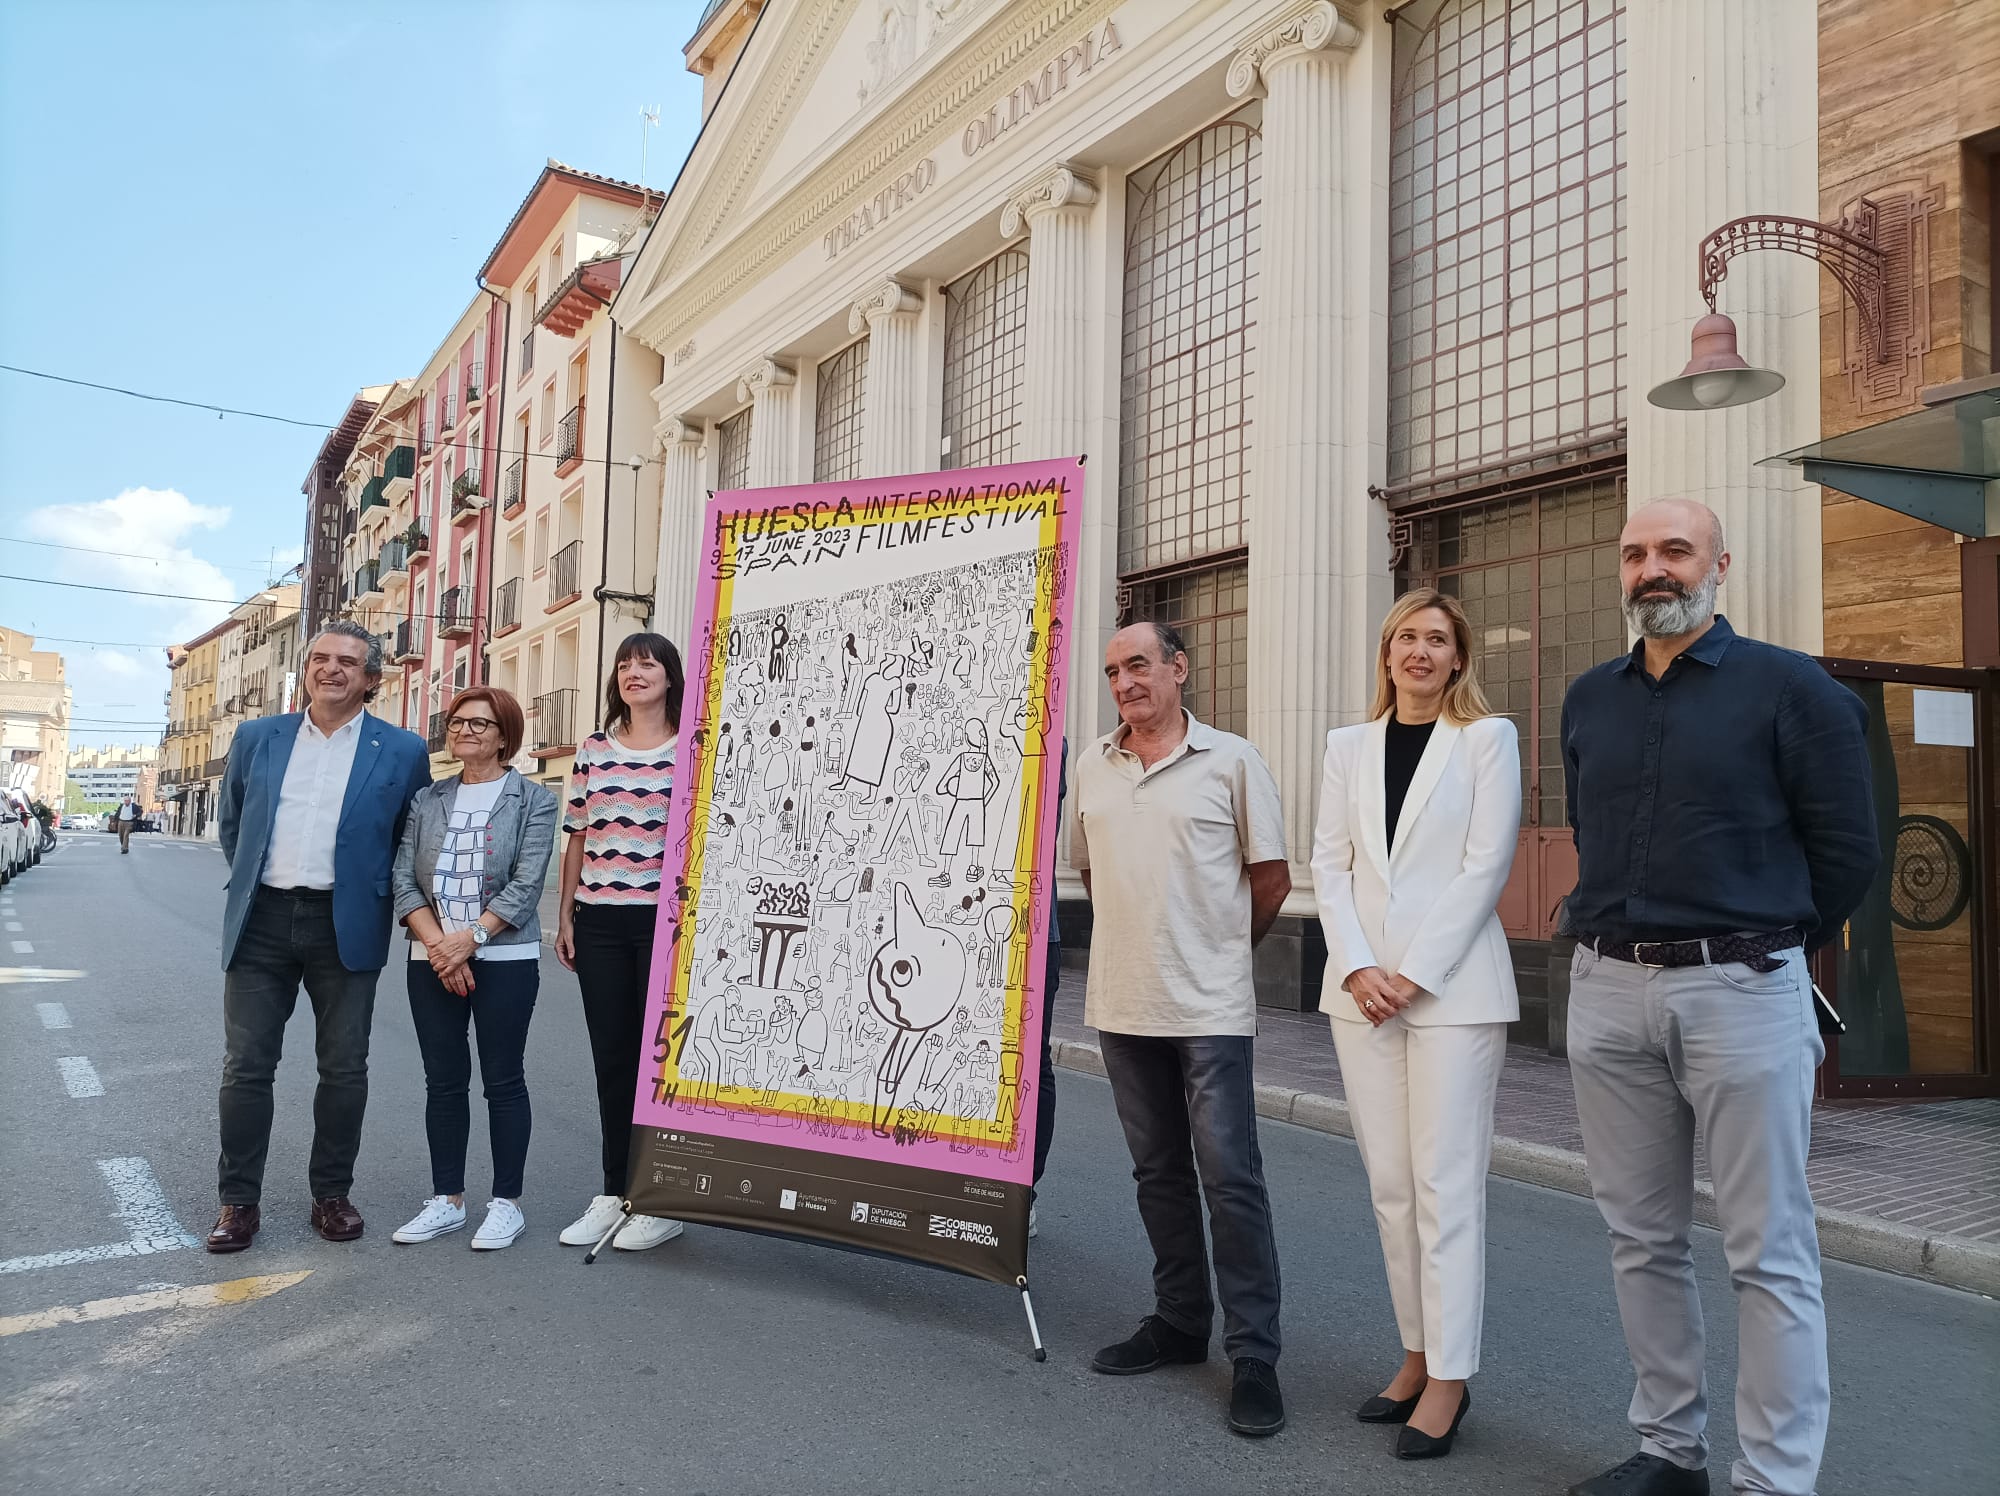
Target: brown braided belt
[1753, 951]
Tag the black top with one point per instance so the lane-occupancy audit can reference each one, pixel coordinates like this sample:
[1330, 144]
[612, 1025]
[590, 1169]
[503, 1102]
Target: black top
[1400, 753]
[1732, 794]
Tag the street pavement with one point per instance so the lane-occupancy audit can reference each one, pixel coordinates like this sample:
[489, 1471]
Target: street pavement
[724, 1362]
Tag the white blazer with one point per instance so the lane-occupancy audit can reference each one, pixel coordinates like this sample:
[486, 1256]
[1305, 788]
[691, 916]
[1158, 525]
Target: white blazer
[1427, 912]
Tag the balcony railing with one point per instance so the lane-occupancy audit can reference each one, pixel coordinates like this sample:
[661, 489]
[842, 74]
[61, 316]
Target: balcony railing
[514, 490]
[555, 722]
[374, 494]
[565, 575]
[368, 579]
[527, 353]
[507, 607]
[475, 383]
[385, 642]
[401, 466]
[569, 442]
[436, 735]
[410, 636]
[426, 439]
[419, 541]
[466, 498]
[394, 560]
[448, 410]
[455, 613]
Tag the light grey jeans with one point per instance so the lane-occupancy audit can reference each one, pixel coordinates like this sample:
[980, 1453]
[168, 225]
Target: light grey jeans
[1654, 1054]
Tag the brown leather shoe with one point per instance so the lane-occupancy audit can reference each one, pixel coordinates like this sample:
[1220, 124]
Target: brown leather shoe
[233, 1228]
[336, 1219]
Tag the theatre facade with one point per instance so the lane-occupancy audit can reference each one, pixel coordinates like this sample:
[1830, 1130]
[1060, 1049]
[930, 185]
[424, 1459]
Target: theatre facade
[1334, 301]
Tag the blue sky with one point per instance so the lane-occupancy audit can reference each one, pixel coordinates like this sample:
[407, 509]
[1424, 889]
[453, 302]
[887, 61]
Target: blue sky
[264, 205]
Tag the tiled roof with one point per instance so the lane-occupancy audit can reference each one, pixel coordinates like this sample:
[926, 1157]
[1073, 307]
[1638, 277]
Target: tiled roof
[576, 174]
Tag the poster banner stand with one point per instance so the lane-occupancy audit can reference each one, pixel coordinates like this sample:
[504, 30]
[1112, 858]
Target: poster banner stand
[847, 988]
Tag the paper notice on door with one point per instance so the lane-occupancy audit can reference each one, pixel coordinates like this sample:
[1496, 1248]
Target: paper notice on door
[1943, 718]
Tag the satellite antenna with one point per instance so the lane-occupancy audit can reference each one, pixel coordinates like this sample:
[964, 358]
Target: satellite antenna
[649, 117]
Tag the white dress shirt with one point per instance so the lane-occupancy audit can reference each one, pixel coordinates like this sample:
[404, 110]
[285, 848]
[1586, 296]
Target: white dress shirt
[308, 819]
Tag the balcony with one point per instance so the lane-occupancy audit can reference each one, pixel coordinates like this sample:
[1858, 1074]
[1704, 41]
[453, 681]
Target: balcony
[447, 411]
[426, 439]
[569, 442]
[555, 723]
[419, 541]
[514, 488]
[399, 472]
[466, 498]
[410, 636]
[527, 353]
[507, 607]
[394, 561]
[475, 384]
[374, 494]
[455, 613]
[384, 642]
[435, 737]
[367, 581]
[253, 699]
[565, 576]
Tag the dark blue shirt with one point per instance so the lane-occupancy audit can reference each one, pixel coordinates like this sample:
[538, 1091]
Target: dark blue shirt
[1732, 794]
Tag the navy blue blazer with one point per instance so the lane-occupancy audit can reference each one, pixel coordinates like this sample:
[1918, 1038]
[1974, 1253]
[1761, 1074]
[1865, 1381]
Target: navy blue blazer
[390, 766]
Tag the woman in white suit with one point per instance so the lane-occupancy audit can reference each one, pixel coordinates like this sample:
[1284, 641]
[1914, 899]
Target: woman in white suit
[1419, 811]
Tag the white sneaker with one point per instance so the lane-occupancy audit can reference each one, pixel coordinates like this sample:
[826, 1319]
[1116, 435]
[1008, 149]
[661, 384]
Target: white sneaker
[1032, 1225]
[642, 1232]
[593, 1223]
[503, 1223]
[438, 1216]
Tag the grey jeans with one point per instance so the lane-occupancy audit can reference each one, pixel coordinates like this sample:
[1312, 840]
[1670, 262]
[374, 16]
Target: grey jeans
[1654, 1055]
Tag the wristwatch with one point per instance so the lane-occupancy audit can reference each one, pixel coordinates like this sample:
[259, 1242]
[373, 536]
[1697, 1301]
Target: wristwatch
[480, 934]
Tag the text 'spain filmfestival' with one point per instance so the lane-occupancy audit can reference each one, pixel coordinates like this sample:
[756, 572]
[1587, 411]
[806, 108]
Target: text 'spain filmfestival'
[846, 1003]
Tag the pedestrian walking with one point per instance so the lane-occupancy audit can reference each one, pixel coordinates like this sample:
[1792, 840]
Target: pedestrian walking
[1419, 811]
[468, 887]
[312, 807]
[1719, 791]
[616, 819]
[125, 818]
[1180, 839]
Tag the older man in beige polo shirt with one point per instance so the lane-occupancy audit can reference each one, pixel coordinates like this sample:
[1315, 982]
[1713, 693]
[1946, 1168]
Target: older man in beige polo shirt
[1180, 839]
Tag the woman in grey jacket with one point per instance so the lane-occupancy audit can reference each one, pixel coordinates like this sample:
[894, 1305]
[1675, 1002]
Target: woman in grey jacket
[467, 882]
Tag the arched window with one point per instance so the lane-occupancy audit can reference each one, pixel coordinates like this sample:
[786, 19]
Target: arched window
[1189, 354]
[838, 400]
[985, 351]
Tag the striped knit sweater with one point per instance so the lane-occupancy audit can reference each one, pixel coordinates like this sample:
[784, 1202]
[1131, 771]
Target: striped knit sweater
[618, 800]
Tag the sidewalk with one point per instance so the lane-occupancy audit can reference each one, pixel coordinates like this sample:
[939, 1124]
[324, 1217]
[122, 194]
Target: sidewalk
[1907, 1187]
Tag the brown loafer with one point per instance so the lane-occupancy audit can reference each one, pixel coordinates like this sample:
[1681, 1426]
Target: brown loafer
[336, 1219]
[233, 1228]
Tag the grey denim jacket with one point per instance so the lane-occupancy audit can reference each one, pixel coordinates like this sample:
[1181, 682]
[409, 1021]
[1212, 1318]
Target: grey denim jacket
[519, 841]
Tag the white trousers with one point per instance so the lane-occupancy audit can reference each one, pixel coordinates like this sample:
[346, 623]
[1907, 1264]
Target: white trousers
[1421, 1102]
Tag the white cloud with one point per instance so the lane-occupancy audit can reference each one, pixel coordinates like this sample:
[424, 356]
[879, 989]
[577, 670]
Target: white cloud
[150, 531]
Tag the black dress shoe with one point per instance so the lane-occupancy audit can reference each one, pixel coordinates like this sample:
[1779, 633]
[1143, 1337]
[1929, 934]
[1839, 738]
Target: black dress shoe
[1256, 1407]
[1645, 1475]
[1153, 1345]
[1387, 1409]
[1414, 1444]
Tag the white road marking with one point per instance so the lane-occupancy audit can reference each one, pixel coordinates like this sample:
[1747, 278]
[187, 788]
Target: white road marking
[54, 1015]
[22, 948]
[14, 976]
[201, 1296]
[140, 1203]
[15, 926]
[80, 1077]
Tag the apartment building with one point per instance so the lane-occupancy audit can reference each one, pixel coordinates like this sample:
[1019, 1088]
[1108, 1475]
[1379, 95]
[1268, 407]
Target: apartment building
[378, 484]
[324, 569]
[578, 491]
[191, 779]
[252, 662]
[34, 718]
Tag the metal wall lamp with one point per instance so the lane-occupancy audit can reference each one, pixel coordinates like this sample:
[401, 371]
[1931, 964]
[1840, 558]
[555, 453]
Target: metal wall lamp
[1717, 375]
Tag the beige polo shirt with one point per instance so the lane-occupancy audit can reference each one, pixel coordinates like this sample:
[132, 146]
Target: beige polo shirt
[1168, 850]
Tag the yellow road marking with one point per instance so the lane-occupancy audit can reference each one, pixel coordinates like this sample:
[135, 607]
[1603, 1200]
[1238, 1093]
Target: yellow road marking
[202, 1296]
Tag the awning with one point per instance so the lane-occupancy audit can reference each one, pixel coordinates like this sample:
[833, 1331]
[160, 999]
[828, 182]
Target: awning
[1940, 464]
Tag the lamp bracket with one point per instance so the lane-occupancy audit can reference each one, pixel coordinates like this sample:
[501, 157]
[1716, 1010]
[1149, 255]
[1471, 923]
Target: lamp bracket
[1850, 250]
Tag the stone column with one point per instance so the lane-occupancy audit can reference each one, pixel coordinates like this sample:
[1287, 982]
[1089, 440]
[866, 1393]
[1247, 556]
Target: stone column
[681, 508]
[1723, 123]
[1055, 208]
[892, 437]
[1307, 526]
[772, 390]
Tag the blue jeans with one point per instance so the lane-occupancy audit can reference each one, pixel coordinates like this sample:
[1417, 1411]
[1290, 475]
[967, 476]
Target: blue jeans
[501, 1003]
[1188, 1104]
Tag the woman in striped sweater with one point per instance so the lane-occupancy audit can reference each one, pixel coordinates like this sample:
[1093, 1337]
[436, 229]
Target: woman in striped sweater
[616, 817]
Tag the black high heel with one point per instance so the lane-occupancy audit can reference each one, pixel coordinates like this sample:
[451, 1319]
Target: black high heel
[1388, 1409]
[1415, 1444]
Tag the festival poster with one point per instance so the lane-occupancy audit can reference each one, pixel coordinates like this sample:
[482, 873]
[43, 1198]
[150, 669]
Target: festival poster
[846, 998]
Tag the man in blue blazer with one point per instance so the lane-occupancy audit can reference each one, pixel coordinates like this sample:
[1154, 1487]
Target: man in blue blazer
[313, 805]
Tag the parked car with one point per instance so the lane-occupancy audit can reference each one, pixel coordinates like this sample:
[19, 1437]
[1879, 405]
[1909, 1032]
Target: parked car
[20, 835]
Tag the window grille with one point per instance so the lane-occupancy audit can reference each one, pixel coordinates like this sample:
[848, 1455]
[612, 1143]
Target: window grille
[732, 448]
[1507, 236]
[985, 352]
[1210, 607]
[840, 397]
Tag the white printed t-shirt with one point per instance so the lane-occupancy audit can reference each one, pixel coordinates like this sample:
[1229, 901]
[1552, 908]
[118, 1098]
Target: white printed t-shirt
[459, 877]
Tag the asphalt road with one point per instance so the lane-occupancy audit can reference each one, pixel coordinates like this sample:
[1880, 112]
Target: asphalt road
[731, 1363]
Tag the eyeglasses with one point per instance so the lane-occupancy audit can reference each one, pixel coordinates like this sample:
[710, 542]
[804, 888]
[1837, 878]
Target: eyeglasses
[473, 727]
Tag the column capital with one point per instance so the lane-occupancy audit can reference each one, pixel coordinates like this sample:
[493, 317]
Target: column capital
[1301, 27]
[889, 299]
[1050, 190]
[678, 431]
[765, 374]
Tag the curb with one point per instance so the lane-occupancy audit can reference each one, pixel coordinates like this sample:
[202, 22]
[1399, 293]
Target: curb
[1867, 1241]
